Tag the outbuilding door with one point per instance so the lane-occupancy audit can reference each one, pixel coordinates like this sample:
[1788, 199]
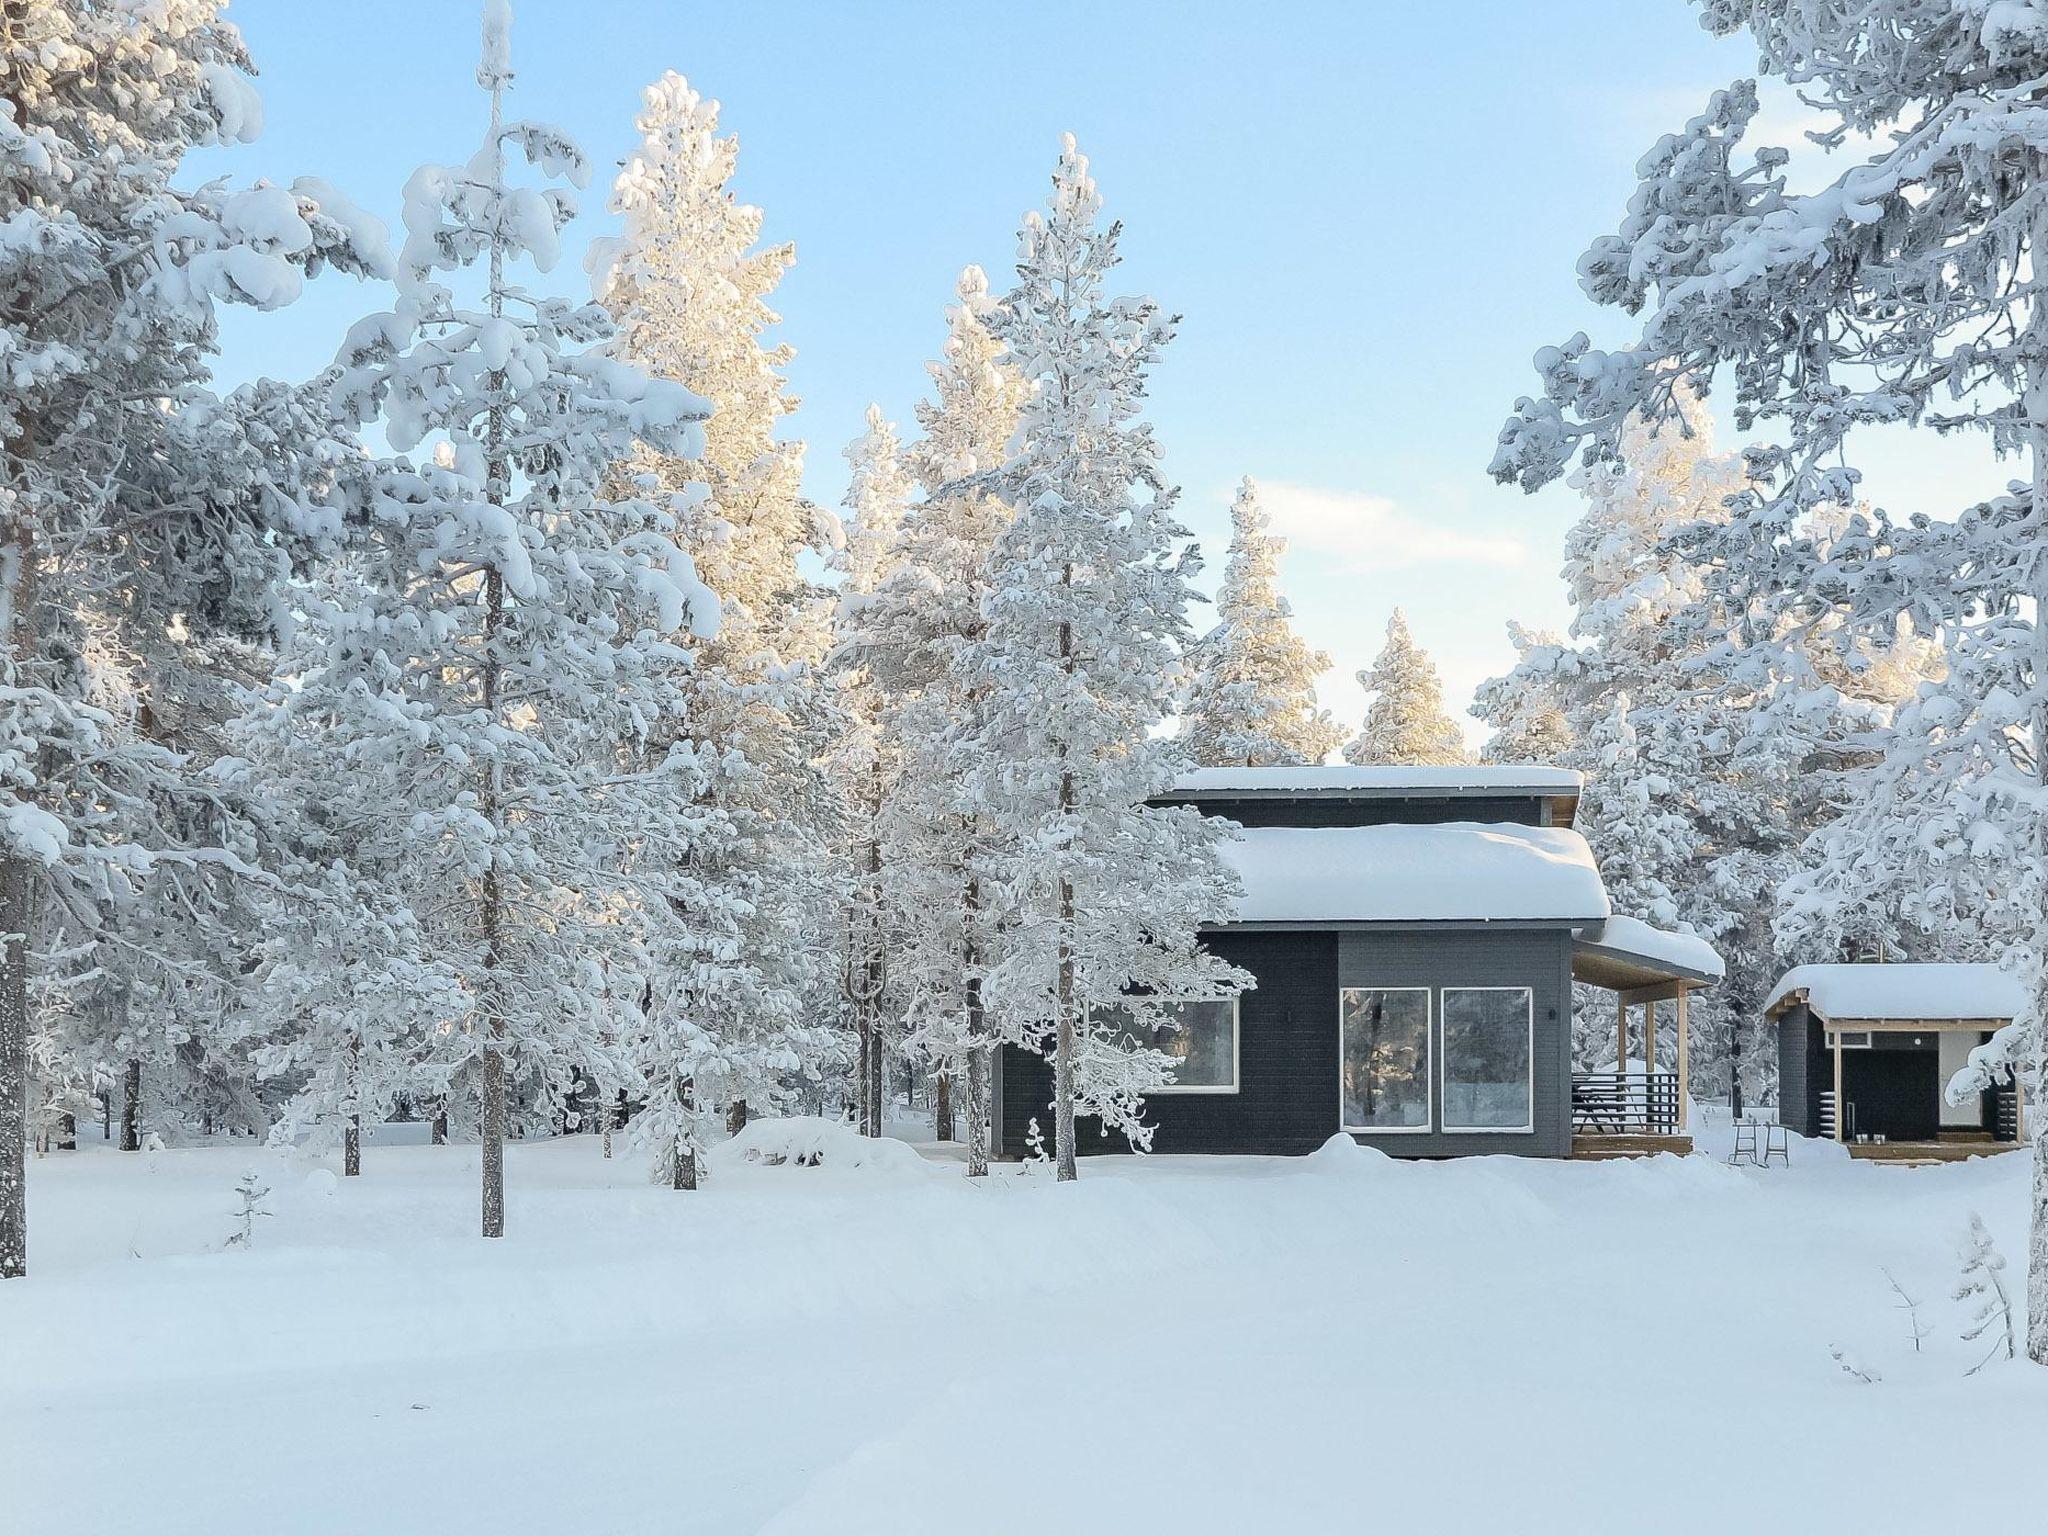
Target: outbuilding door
[1893, 1092]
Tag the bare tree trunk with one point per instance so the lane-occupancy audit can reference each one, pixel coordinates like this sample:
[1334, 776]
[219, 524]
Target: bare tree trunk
[1063, 1048]
[685, 1166]
[942, 1108]
[607, 1111]
[977, 1031]
[439, 1131]
[67, 1132]
[736, 1117]
[1063, 1041]
[15, 900]
[352, 1149]
[107, 1114]
[493, 1136]
[2034, 400]
[131, 1107]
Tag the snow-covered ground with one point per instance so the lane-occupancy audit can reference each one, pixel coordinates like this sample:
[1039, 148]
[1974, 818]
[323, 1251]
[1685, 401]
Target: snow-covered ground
[1340, 1343]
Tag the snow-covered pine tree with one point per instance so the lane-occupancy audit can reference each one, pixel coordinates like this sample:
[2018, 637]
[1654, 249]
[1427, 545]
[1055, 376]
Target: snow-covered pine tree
[1405, 724]
[910, 636]
[690, 288]
[1103, 895]
[1526, 707]
[491, 677]
[1748, 753]
[1251, 694]
[1902, 291]
[867, 758]
[129, 495]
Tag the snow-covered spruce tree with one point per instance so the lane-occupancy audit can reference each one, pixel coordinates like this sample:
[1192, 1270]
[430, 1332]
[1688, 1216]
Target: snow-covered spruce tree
[866, 759]
[1405, 724]
[1903, 291]
[126, 498]
[489, 686]
[1747, 753]
[689, 288]
[1525, 707]
[1103, 896]
[1251, 694]
[910, 636]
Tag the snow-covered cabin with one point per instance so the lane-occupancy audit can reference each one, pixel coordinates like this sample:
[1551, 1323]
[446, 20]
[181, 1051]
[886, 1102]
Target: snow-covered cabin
[1882, 1041]
[1413, 935]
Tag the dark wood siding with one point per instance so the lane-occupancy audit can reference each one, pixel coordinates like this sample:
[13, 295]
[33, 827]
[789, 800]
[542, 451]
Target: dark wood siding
[1798, 1098]
[1287, 1064]
[1331, 811]
[1539, 959]
[1288, 1043]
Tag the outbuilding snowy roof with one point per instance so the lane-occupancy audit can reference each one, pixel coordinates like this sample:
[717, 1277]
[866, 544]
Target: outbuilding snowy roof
[1902, 991]
[1458, 871]
[1380, 779]
[1632, 939]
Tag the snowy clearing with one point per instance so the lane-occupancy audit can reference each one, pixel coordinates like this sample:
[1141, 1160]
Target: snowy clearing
[1250, 1344]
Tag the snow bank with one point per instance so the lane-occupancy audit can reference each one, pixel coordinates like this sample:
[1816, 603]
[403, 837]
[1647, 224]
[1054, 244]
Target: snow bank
[1958, 991]
[1382, 779]
[807, 1141]
[1632, 936]
[1455, 872]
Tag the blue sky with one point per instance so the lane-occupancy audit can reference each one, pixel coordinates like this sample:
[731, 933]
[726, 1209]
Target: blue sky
[1367, 215]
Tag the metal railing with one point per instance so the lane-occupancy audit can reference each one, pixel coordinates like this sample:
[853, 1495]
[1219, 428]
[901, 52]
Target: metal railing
[1625, 1103]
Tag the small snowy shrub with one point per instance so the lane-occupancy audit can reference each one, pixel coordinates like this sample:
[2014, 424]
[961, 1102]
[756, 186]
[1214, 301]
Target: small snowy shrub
[1984, 1283]
[253, 1192]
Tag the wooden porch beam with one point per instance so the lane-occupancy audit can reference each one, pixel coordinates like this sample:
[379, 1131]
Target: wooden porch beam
[1683, 1064]
[1842, 1111]
[1655, 993]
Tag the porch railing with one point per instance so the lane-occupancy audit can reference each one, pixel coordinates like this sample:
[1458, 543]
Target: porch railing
[1625, 1103]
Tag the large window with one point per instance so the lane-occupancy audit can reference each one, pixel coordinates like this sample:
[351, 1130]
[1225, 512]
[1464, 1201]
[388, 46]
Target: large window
[1201, 1037]
[1384, 1073]
[1488, 1051]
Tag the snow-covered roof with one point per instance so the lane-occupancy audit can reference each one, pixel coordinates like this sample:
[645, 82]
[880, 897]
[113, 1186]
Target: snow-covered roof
[1903, 991]
[1633, 939]
[1458, 871]
[1380, 779]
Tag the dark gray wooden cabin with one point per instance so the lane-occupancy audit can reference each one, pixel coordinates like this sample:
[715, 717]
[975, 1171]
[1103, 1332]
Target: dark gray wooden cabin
[1413, 935]
[1866, 1052]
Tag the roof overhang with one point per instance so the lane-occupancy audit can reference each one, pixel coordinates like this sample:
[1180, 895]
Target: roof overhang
[1640, 962]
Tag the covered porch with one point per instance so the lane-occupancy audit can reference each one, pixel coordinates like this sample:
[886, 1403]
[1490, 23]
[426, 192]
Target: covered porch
[1639, 1109]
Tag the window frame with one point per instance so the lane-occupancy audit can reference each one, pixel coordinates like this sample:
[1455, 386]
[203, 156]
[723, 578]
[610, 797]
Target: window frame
[1236, 1084]
[1529, 1034]
[1851, 1039]
[1429, 1066]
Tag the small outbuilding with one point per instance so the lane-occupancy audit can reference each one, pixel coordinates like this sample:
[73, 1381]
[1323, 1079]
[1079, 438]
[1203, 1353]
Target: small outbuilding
[1866, 1052]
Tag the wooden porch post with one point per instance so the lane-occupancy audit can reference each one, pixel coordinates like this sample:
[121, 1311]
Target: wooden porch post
[1683, 1084]
[1842, 1111]
[1621, 1032]
[1649, 1039]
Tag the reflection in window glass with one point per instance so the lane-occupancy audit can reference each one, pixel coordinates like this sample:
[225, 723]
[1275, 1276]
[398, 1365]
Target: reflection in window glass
[1385, 1074]
[1201, 1037]
[1486, 1059]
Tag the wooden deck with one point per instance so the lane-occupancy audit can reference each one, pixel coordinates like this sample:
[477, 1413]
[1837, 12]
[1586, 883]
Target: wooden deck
[1950, 1149]
[1596, 1148]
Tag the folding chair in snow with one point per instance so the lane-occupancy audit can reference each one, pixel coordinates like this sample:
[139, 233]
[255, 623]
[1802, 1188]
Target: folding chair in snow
[1778, 1144]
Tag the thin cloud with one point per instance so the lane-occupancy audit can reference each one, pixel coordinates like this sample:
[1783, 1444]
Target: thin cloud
[1363, 532]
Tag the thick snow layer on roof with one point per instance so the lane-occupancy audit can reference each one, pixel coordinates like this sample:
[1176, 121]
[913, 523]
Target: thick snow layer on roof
[1458, 871]
[1633, 936]
[1904, 991]
[1468, 778]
